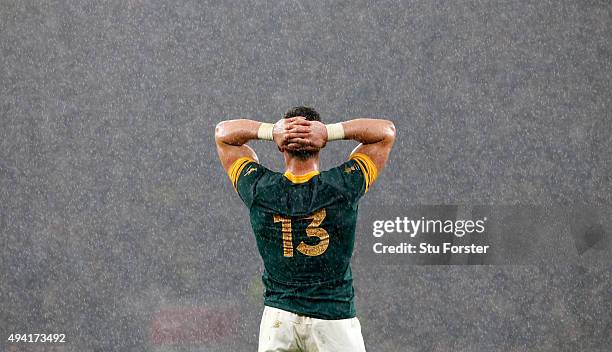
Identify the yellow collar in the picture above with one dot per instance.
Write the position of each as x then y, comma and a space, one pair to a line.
300, 178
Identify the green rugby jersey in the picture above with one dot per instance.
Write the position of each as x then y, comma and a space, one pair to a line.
305, 232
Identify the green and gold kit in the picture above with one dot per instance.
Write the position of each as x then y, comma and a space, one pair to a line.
305, 232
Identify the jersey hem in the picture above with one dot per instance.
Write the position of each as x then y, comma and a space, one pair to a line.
308, 314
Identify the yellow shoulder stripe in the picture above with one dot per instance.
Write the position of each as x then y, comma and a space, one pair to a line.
236, 169
370, 172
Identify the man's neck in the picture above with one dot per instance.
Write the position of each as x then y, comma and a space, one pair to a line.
301, 167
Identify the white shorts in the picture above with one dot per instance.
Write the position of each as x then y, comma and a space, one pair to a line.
283, 331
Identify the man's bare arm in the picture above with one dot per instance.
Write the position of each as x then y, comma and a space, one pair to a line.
231, 137
376, 137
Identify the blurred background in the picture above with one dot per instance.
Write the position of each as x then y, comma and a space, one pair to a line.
119, 228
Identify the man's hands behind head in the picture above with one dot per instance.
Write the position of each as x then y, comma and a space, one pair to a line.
297, 133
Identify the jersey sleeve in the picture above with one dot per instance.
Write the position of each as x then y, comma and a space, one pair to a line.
354, 177
244, 174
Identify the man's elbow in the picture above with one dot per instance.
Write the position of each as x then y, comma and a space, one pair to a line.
220, 131
389, 131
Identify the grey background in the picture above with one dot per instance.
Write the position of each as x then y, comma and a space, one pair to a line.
113, 205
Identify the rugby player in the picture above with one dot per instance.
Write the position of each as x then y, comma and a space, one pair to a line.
304, 223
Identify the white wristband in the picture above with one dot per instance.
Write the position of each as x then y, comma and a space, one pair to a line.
265, 131
335, 131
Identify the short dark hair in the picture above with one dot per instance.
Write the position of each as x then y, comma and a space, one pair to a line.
311, 115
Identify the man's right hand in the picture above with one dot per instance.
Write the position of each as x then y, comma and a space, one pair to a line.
313, 137
297, 133
284, 129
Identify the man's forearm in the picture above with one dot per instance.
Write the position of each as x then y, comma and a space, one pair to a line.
369, 131
236, 132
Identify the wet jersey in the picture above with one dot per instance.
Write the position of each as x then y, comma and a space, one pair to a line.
304, 227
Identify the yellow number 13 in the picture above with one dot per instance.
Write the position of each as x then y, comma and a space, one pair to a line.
313, 230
